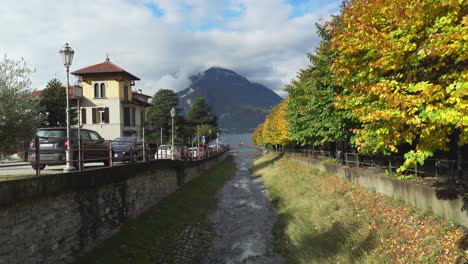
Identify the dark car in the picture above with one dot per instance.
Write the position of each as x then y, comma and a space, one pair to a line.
53, 143
129, 149
184, 152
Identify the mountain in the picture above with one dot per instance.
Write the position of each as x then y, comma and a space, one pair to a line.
239, 104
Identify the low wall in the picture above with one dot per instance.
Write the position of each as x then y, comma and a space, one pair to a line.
452, 207
52, 219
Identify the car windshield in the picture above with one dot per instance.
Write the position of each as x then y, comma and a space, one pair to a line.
124, 140
164, 147
55, 133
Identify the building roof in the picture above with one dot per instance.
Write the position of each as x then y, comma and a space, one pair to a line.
37, 93
105, 67
71, 91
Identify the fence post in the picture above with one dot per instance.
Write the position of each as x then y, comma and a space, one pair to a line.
390, 167
80, 154
144, 151
110, 153
437, 170
416, 170
38, 156
357, 159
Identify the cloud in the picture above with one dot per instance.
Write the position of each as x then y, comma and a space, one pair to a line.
164, 41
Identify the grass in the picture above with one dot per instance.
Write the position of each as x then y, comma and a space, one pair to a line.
324, 219
176, 228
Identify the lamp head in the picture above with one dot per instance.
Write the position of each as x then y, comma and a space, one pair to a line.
67, 55
173, 112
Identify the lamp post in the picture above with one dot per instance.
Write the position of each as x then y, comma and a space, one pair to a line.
198, 136
172, 117
67, 57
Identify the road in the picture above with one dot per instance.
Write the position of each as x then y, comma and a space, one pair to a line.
22, 170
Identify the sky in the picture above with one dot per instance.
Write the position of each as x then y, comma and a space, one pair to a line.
163, 42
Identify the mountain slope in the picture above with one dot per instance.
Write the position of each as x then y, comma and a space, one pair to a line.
238, 103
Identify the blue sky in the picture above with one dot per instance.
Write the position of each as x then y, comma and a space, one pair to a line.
165, 41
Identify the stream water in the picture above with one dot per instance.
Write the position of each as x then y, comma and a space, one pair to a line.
244, 219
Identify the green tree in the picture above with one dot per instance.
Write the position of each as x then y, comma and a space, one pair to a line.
200, 114
19, 109
158, 115
313, 117
53, 104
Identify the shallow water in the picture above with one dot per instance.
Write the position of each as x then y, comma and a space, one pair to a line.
244, 219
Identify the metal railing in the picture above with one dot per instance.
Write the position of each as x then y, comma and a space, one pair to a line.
440, 169
43, 151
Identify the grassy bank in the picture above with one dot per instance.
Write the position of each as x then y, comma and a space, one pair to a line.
175, 231
324, 219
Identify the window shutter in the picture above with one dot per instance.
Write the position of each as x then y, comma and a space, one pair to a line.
106, 115
94, 116
83, 116
126, 116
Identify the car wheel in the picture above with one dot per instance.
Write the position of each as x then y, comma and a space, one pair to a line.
41, 167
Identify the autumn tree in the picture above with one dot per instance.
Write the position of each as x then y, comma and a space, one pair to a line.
257, 138
274, 131
404, 65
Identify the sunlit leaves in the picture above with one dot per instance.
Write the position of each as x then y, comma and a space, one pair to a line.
404, 65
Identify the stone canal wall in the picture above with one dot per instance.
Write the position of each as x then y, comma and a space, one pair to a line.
52, 219
439, 200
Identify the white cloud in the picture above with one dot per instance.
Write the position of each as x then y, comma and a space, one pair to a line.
257, 38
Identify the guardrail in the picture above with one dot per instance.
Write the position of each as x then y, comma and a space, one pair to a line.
455, 171
43, 151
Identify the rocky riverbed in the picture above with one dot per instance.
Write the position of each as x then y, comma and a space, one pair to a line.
244, 219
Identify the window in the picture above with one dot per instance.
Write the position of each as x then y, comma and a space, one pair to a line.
85, 134
129, 116
103, 90
101, 115
142, 118
94, 135
99, 90
126, 116
126, 92
83, 116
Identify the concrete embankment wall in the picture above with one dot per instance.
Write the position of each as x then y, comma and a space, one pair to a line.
439, 201
52, 219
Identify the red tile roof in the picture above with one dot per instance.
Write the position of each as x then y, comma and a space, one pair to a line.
71, 91
36, 93
105, 67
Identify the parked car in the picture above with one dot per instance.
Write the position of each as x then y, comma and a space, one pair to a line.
197, 153
165, 152
184, 152
129, 149
53, 143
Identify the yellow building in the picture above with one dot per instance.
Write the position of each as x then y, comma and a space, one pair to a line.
109, 106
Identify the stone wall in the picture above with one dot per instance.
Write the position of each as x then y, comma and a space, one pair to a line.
452, 207
52, 219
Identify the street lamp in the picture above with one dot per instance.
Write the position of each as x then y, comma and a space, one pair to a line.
172, 116
67, 57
